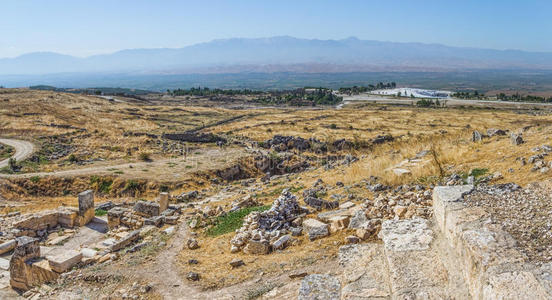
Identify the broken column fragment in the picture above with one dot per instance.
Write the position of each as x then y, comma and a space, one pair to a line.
86, 207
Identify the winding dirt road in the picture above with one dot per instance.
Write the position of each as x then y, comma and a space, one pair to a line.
23, 149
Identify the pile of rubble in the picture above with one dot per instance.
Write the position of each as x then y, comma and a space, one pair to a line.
538, 160
264, 231
281, 143
155, 213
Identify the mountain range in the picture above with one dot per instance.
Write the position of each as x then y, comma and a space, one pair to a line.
281, 54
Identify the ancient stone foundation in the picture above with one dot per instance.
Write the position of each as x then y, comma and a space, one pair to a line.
27, 269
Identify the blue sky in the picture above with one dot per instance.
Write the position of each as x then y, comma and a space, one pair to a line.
84, 28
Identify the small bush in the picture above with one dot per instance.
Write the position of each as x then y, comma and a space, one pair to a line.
144, 156
35, 179
101, 212
232, 221
333, 126
477, 172
72, 158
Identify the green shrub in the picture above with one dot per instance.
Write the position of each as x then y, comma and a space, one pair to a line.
35, 179
101, 184
101, 212
232, 221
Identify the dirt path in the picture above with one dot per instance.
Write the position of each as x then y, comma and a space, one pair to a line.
23, 149
169, 169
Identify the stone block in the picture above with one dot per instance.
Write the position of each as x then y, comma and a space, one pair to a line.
4, 264
129, 239
64, 261
447, 198
338, 223
147, 208
67, 217
257, 247
7, 246
38, 221
281, 243
316, 229
163, 201
86, 207
514, 285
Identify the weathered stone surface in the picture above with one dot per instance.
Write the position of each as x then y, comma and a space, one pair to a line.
447, 198
236, 262
401, 172
281, 243
516, 139
67, 217
320, 287
86, 207
476, 136
325, 216
147, 208
338, 223
514, 285
38, 221
358, 220
7, 246
315, 229
22, 275
406, 235
192, 244
129, 239
64, 261
257, 247
4, 264
362, 276
163, 201
320, 203
494, 131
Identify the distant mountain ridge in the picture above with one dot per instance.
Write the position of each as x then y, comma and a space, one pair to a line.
280, 54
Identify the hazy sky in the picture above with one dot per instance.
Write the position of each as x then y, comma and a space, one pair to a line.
84, 28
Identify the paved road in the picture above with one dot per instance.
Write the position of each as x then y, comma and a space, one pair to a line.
23, 149
449, 102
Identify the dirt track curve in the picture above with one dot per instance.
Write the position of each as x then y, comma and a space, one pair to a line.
23, 149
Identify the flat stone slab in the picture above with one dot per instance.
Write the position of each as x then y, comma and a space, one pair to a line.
364, 272
514, 285
320, 287
406, 235
64, 261
4, 264
129, 239
4, 279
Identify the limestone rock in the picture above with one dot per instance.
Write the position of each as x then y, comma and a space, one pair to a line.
257, 247
236, 262
315, 229
319, 287
64, 261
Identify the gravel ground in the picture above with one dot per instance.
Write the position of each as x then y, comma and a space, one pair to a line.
525, 213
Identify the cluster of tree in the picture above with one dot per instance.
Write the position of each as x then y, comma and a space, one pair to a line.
94, 91
355, 90
428, 103
469, 95
205, 91
522, 98
300, 97
517, 97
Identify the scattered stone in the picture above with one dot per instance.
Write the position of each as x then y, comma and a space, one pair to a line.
257, 247
297, 274
476, 136
516, 139
147, 208
192, 244
281, 243
192, 276
494, 131
169, 230
315, 229
351, 239
236, 262
193, 262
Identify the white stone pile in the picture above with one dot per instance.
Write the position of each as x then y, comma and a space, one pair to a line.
262, 231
